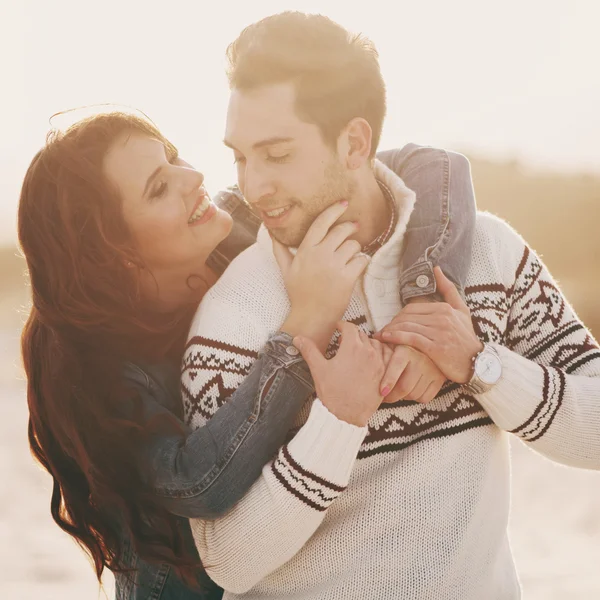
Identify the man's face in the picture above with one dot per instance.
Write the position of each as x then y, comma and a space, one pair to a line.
285, 169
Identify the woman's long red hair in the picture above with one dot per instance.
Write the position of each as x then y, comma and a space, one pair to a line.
88, 318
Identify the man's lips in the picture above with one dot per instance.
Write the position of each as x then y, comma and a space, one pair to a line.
275, 212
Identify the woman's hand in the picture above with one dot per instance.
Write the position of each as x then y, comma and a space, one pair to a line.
348, 384
410, 375
321, 276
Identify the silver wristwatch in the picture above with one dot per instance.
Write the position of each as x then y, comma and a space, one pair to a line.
487, 370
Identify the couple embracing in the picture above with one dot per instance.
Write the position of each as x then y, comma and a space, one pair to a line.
304, 388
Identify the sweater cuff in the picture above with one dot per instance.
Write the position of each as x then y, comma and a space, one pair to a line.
327, 446
513, 400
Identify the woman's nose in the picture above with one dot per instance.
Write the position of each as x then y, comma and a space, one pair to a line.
192, 180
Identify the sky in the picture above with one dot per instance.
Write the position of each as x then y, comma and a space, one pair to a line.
517, 79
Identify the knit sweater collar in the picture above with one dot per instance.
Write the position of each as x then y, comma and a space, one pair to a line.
404, 198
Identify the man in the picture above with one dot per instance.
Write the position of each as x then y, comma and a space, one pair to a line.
416, 505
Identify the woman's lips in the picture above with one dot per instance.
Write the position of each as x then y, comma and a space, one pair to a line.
211, 211
201, 197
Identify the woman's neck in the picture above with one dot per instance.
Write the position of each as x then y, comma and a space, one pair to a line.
171, 290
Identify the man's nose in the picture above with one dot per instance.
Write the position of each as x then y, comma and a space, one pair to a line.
257, 184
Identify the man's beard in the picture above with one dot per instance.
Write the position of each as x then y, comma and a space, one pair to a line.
336, 187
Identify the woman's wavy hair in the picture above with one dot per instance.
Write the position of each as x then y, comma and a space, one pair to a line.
88, 319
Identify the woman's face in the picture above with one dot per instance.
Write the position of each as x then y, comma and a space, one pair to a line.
174, 224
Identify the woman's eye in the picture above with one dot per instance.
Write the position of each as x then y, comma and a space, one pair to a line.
238, 159
160, 190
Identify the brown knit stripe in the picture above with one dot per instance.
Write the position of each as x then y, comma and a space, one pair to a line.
521, 267
593, 356
295, 492
538, 409
485, 288
309, 474
556, 336
198, 340
396, 427
560, 396
208, 355
283, 470
450, 431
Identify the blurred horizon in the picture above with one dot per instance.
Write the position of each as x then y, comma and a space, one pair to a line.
505, 82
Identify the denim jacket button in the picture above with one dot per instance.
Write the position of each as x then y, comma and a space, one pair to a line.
422, 281
292, 350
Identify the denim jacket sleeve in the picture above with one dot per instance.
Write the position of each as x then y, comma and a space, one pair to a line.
441, 227
203, 473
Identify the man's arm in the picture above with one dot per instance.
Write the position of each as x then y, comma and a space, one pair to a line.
549, 392
285, 505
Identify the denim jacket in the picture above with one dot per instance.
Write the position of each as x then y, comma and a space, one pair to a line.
203, 473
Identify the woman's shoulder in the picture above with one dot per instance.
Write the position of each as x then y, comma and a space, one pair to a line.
154, 382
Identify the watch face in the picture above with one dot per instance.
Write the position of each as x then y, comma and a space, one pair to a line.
488, 368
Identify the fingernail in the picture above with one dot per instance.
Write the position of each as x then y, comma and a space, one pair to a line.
344, 202
385, 391
386, 334
297, 342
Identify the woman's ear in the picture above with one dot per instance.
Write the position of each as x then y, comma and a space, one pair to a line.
359, 136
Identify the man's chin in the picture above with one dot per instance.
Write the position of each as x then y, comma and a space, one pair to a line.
287, 237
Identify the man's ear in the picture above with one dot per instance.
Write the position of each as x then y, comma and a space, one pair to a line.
358, 134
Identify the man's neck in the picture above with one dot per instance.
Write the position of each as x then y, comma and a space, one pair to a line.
370, 208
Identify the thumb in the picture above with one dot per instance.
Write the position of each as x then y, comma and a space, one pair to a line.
448, 291
311, 354
283, 256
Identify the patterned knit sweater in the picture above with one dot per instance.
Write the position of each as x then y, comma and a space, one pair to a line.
414, 506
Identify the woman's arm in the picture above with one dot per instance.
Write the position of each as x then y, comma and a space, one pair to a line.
243, 413
441, 227
203, 473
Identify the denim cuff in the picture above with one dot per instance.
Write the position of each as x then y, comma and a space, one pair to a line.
417, 280
281, 350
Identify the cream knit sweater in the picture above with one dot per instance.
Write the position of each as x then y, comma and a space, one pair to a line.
414, 506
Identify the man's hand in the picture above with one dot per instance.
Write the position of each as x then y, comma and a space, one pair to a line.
347, 384
441, 330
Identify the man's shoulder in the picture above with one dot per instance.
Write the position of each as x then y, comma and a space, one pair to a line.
498, 250
490, 228
250, 272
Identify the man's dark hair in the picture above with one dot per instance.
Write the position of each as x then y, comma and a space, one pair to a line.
336, 73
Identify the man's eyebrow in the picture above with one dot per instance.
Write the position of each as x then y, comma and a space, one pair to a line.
151, 179
268, 142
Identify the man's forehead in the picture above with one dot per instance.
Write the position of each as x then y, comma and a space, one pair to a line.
262, 113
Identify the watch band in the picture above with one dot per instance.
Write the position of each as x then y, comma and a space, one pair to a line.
476, 385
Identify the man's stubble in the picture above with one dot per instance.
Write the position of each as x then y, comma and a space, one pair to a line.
336, 187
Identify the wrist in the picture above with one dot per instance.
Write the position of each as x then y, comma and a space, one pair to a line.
317, 330
469, 369
341, 412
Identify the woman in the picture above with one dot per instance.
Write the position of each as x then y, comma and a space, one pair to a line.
116, 274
